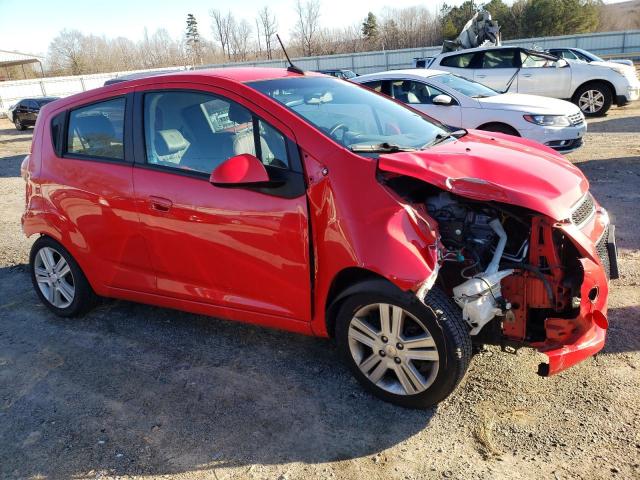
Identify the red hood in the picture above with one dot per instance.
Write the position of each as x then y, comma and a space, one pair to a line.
496, 167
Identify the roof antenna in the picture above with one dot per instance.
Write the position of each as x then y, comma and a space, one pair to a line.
291, 67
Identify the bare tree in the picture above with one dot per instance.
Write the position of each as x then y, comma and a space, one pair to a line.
269, 27
307, 25
222, 26
240, 39
65, 53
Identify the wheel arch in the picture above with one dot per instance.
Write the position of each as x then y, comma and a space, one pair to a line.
588, 82
501, 124
345, 283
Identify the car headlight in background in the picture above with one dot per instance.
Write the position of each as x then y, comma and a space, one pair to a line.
549, 120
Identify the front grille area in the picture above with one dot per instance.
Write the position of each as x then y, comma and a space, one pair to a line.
583, 212
576, 119
603, 253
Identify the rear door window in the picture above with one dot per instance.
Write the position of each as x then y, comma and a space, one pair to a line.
458, 61
97, 130
503, 58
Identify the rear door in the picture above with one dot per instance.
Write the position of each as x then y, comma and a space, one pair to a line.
497, 67
542, 76
244, 249
463, 64
89, 185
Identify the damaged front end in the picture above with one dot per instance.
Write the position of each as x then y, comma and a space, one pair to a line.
520, 277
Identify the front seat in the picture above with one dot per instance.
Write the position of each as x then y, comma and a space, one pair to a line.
243, 141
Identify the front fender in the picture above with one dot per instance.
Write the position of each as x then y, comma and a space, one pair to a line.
375, 233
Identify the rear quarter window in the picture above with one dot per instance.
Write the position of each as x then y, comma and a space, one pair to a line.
97, 130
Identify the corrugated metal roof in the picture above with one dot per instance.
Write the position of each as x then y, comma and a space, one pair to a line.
9, 59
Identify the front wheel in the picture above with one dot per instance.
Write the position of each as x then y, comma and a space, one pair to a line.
594, 99
18, 124
58, 279
401, 350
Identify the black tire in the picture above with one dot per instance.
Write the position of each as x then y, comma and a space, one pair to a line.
84, 297
438, 314
499, 128
18, 124
603, 89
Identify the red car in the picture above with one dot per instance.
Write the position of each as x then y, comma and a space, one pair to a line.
303, 202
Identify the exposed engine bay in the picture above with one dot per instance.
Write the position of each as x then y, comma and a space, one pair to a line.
503, 264
516, 278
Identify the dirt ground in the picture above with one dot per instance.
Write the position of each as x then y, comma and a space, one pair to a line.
133, 391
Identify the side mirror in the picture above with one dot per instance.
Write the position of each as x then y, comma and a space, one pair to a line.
241, 170
562, 63
445, 100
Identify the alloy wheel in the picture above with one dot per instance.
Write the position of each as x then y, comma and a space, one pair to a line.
54, 277
591, 101
18, 123
393, 349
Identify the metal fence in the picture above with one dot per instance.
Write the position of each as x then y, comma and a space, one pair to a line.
603, 44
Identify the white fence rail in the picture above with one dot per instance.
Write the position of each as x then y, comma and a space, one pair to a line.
604, 44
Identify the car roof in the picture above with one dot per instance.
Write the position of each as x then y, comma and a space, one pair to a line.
237, 74
407, 72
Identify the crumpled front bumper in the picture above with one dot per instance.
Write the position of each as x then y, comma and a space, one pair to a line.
574, 340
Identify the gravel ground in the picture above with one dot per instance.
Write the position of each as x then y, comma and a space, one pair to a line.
136, 391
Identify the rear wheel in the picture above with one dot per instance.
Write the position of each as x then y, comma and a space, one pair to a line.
58, 280
594, 99
401, 350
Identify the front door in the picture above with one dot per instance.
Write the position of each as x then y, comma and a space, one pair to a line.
240, 248
542, 76
420, 95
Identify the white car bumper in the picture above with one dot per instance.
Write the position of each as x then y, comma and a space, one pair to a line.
561, 139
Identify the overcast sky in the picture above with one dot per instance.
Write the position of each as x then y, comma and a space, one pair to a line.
29, 25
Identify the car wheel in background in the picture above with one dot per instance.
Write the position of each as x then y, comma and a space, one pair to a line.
594, 99
18, 124
58, 280
401, 350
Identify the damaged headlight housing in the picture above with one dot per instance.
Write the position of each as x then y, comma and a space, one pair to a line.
548, 120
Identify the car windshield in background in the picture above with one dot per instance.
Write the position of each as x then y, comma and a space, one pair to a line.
353, 116
44, 101
466, 87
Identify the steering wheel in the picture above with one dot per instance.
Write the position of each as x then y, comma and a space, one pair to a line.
337, 127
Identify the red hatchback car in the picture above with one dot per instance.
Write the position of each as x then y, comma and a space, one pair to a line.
307, 203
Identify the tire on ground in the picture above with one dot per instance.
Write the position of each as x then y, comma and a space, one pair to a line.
84, 297
444, 322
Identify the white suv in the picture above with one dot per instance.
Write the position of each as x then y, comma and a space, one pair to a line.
592, 87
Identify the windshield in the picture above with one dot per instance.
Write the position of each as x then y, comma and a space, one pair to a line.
588, 56
352, 115
464, 86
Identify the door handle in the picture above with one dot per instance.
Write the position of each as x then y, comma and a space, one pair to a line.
526, 75
160, 204
481, 76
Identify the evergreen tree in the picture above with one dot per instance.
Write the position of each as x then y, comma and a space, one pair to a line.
370, 27
194, 50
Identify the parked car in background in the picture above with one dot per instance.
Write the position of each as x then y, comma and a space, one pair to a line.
421, 62
307, 203
586, 56
339, 73
25, 112
462, 103
593, 88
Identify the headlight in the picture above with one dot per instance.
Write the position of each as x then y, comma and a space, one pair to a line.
548, 120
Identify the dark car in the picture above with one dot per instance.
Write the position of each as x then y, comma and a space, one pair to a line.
339, 73
24, 113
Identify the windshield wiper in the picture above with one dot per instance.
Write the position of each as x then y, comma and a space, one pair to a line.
383, 147
441, 138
